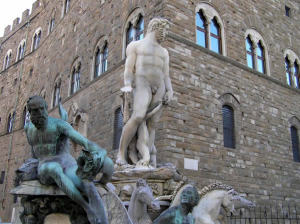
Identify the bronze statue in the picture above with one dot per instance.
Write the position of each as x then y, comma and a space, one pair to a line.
48, 138
180, 214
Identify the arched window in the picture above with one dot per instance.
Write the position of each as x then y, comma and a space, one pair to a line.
215, 36
296, 75
256, 52
201, 29
56, 94
75, 80
36, 39
10, 121
250, 52
133, 28
209, 28
295, 143
101, 60
288, 71
21, 50
228, 126
129, 34
260, 58
140, 29
7, 60
118, 125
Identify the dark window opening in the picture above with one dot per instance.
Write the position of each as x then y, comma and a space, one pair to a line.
288, 72
118, 126
287, 11
2, 177
140, 29
129, 34
97, 63
295, 143
30, 72
228, 126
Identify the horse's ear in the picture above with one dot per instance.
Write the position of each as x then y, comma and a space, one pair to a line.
232, 192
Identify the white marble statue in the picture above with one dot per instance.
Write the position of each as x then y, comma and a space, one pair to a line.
212, 198
147, 75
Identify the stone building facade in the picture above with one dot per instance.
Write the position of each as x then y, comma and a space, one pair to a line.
62, 39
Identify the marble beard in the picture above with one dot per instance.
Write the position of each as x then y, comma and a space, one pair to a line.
147, 74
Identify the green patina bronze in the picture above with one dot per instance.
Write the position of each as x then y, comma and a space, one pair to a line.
180, 214
49, 138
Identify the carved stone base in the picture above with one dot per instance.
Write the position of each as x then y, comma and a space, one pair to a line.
39, 201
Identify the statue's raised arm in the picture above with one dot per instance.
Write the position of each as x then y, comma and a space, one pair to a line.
48, 137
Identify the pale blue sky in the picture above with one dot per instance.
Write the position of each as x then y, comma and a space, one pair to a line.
11, 9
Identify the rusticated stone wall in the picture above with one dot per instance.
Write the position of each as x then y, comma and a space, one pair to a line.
261, 165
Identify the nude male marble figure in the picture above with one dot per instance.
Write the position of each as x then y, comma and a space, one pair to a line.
147, 73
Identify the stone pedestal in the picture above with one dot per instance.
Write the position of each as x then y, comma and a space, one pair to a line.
40, 201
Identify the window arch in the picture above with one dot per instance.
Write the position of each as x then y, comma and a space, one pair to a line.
21, 50
291, 61
118, 126
7, 59
133, 29
36, 39
210, 29
75, 77
100, 58
256, 52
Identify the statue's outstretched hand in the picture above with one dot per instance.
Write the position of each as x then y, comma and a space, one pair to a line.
98, 158
168, 96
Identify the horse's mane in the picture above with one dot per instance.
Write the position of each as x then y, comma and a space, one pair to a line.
212, 187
